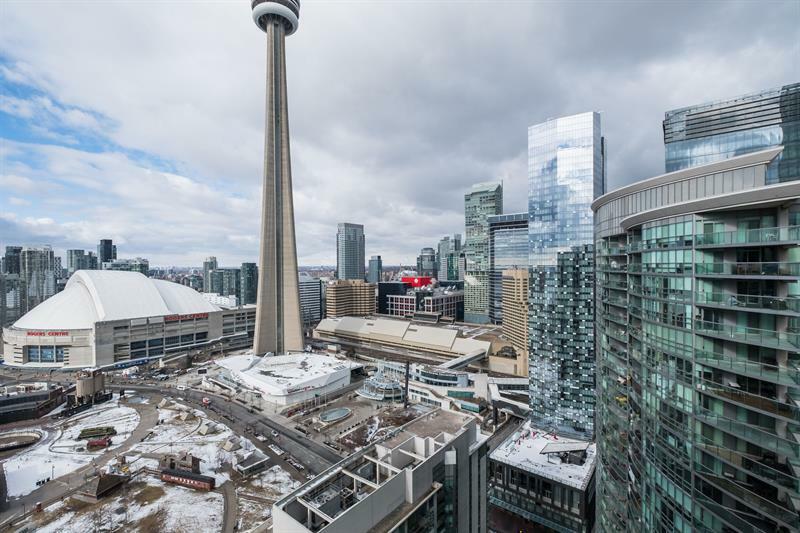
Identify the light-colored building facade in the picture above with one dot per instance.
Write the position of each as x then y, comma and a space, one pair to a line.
443, 301
209, 265
429, 475
37, 275
350, 244
112, 317
515, 314
697, 336
482, 201
349, 298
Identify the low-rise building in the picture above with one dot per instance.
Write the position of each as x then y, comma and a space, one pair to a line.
349, 298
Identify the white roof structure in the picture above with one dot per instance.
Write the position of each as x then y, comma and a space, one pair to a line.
403, 332
92, 296
535, 451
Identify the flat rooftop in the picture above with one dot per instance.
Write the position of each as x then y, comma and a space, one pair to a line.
524, 450
429, 425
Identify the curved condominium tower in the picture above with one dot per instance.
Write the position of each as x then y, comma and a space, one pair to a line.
278, 326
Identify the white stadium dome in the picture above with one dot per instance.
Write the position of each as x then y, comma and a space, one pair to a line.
92, 296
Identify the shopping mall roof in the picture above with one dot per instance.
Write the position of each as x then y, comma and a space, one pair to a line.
103, 295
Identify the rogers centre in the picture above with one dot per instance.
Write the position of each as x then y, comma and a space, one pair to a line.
105, 317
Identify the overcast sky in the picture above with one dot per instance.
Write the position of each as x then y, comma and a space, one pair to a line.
143, 121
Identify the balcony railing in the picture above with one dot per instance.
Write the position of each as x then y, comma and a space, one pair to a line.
749, 301
749, 432
748, 269
750, 463
661, 268
785, 234
657, 244
781, 375
782, 340
762, 403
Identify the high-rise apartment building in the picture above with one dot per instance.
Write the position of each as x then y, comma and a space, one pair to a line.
350, 251
11, 299
105, 251
508, 249
448, 252
515, 313
349, 298
248, 284
566, 171
710, 132
698, 351
375, 270
310, 299
209, 265
480, 202
37, 276
139, 264
426, 263
12, 262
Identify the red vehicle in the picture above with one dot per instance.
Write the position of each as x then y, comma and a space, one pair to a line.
105, 442
188, 479
206, 402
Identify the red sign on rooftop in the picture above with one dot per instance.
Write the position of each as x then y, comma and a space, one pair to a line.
417, 281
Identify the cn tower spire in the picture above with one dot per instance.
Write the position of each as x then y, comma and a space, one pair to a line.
278, 326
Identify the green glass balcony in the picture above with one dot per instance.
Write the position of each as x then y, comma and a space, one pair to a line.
782, 340
788, 304
784, 235
771, 269
762, 403
789, 376
663, 268
759, 436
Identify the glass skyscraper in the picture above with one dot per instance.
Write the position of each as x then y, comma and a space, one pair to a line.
508, 250
350, 251
481, 202
449, 251
566, 171
249, 284
375, 270
715, 131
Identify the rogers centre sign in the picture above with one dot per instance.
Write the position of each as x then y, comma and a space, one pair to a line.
175, 318
48, 334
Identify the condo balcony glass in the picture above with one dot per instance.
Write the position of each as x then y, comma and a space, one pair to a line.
778, 269
783, 340
786, 234
789, 375
749, 301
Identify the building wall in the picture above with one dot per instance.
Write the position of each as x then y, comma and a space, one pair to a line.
566, 169
350, 251
697, 338
310, 300
515, 312
350, 298
481, 202
508, 249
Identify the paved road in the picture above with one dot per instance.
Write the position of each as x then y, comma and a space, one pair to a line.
230, 513
315, 457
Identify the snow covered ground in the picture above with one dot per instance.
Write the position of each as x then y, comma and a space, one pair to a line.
273, 484
154, 506
60, 452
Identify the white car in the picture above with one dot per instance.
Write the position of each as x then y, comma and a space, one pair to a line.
181, 387
274, 433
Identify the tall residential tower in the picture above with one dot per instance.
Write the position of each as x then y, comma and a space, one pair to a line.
350, 251
480, 202
278, 326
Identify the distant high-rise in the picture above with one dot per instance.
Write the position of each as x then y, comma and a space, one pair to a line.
11, 299
105, 251
481, 202
80, 260
38, 276
426, 263
12, 260
139, 264
515, 314
209, 265
248, 286
350, 251
448, 252
310, 299
566, 171
508, 249
715, 131
375, 269
278, 322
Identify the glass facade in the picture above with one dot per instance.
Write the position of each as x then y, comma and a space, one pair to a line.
350, 251
248, 284
566, 171
449, 250
38, 276
375, 271
699, 354
481, 202
508, 249
712, 132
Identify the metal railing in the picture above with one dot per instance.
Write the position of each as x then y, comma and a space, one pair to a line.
747, 269
762, 235
749, 301
775, 374
784, 340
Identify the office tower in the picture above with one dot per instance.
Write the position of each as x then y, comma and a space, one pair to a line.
462, 265
38, 276
11, 299
209, 265
508, 249
515, 314
59, 268
278, 323
715, 131
429, 476
105, 251
231, 281
140, 265
248, 284
216, 281
350, 251
426, 263
349, 298
75, 261
310, 299
482, 201
375, 270
448, 252
566, 168
12, 260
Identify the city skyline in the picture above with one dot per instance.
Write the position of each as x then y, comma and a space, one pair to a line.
65, 132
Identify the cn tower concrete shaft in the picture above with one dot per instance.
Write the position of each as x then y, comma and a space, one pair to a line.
278, 325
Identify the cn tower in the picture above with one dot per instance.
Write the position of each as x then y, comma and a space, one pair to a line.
278, 326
